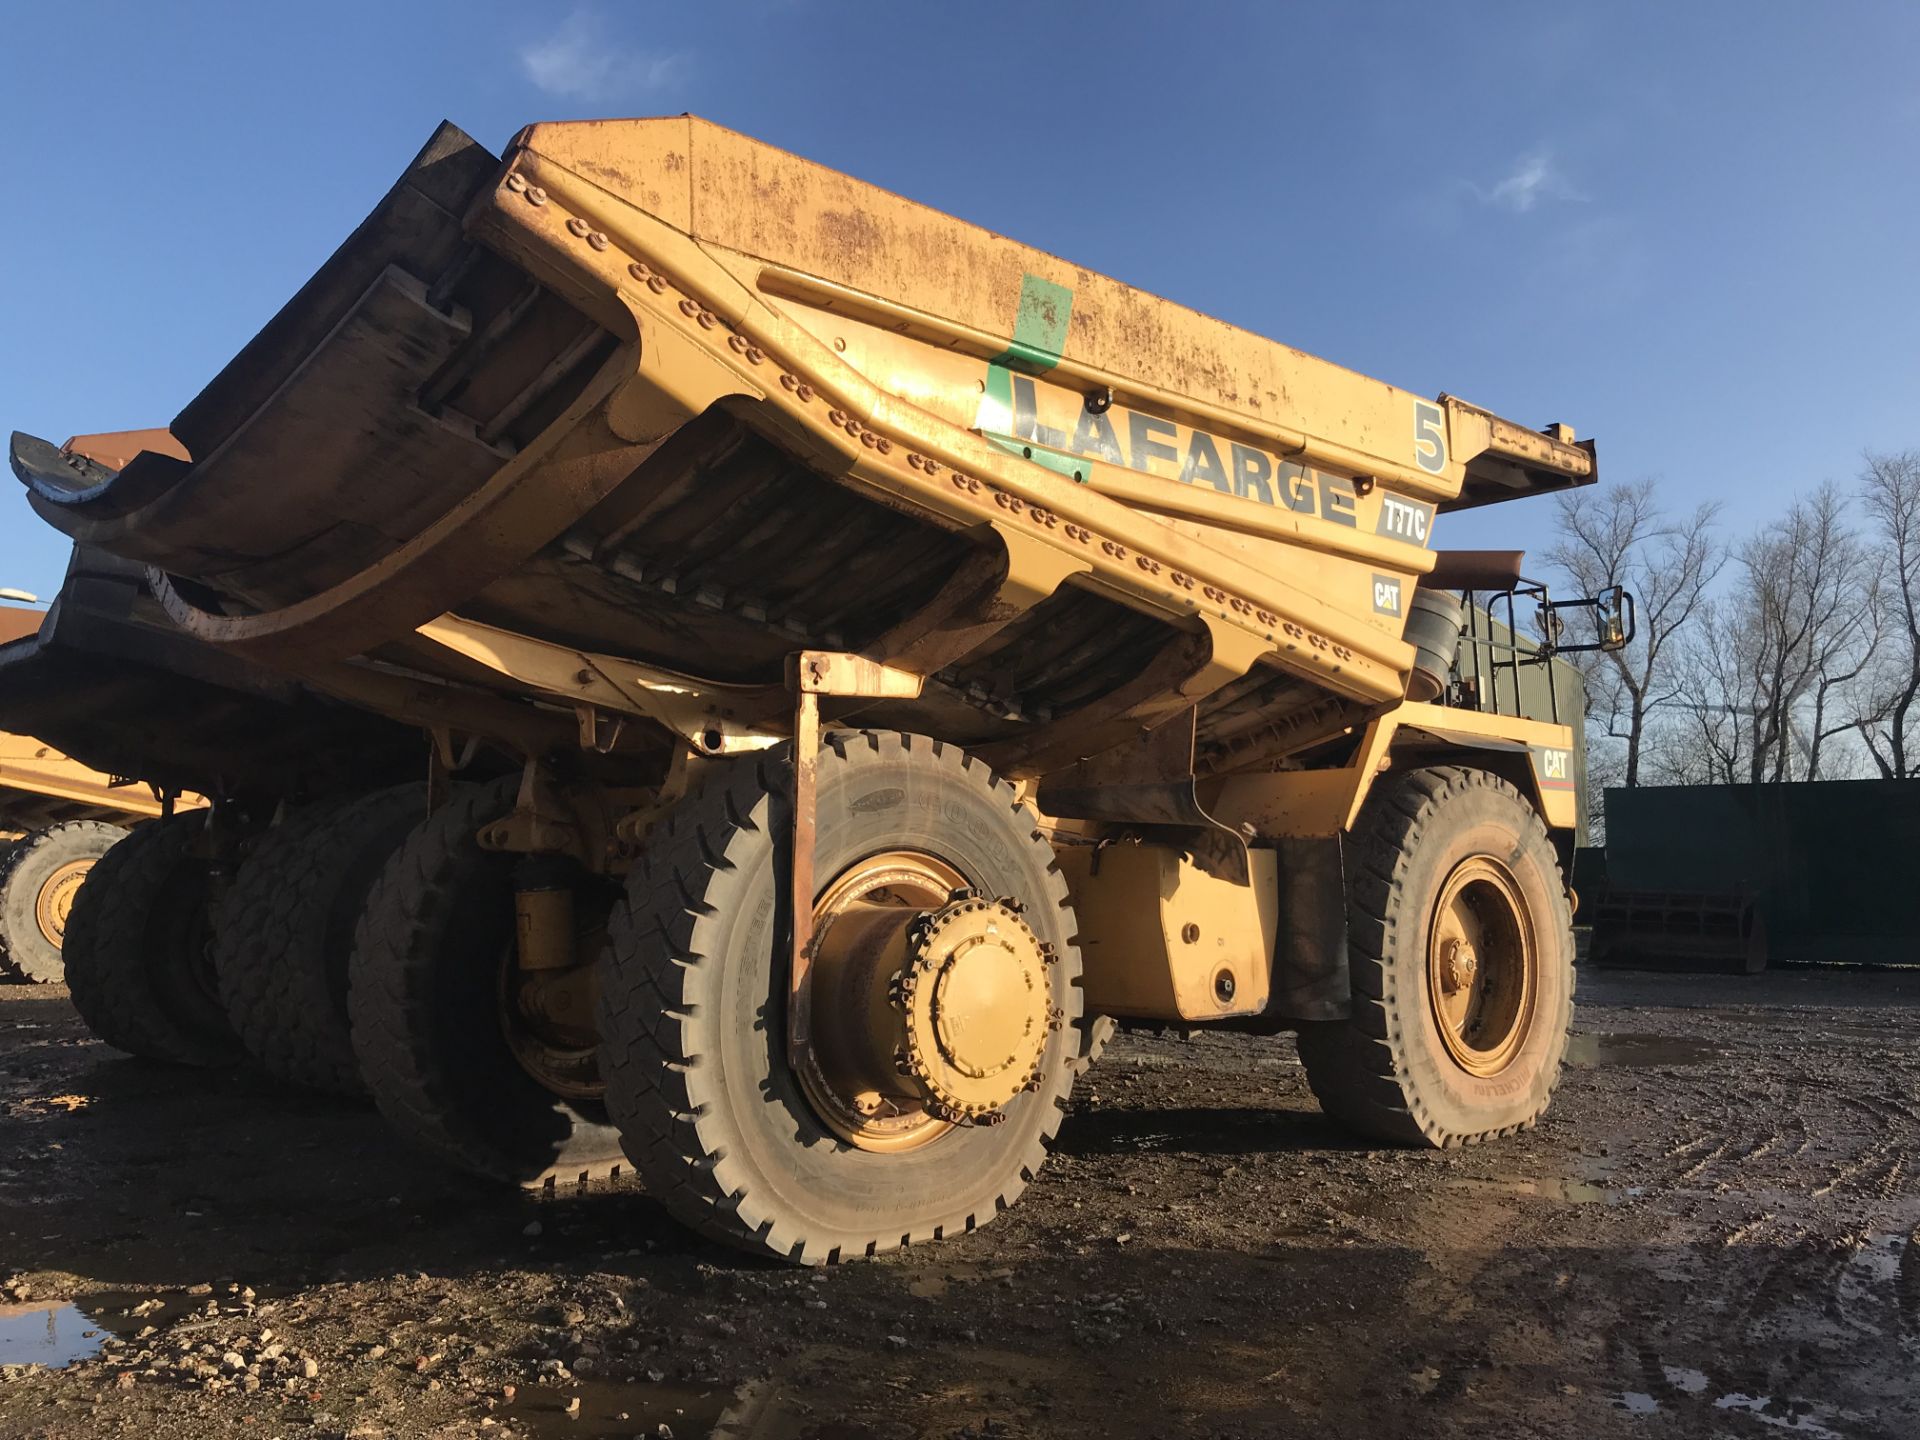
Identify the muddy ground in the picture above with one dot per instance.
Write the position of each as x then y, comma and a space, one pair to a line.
1712, 1233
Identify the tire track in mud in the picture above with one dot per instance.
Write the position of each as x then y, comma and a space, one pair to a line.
1703, 1164
1808, 1266
1832, 1279
1876, 1155
1674, 1152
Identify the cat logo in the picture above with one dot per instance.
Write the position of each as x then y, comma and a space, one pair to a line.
1386, 595
1555, 771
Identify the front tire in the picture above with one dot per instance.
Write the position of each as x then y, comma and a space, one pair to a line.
1461, 955
694, 1005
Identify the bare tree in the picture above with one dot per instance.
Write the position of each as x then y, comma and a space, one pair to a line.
1770, 663
1888, 717
1623, 536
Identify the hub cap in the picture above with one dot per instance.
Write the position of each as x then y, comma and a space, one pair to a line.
973, 995
1481, 963
54, 903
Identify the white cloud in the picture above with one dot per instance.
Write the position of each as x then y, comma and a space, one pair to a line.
581, 61
1534, 178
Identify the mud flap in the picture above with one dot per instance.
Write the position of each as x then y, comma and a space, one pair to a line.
1310, 978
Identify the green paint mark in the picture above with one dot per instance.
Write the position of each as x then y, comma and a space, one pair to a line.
1039, 326
1039, 337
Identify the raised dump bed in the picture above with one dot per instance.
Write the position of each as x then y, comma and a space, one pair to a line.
640, 461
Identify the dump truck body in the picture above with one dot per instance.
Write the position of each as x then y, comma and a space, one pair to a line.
785, 538
40, 786
555, 427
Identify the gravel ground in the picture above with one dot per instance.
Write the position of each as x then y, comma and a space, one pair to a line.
1711, 1234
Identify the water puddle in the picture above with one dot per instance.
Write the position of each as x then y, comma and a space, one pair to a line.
53, 1333
1688, 1389
59, 1333
1791, 1415
1590, 1052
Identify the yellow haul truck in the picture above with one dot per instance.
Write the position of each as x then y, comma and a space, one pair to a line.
858, 657
57, 816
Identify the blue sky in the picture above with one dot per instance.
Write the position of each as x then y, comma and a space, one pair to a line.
1689, 230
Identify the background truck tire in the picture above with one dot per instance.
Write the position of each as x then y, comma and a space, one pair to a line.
423, 997
40, 877
137, 945
1388, 1072
693, 1005
284, 933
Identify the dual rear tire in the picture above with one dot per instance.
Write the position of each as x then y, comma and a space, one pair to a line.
284, 933
360, 948
138, 947
440, 1044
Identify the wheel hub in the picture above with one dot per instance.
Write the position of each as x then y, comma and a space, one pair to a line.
54, 903
1481, 965
973, 996
930, 1005
1459, 966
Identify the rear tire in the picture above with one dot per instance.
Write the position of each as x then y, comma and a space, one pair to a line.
40, 877
424, 1003
137, 948
1398, 1070
693, 1005
284, 933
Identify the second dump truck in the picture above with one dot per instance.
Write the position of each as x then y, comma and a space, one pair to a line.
57, 817
858, 657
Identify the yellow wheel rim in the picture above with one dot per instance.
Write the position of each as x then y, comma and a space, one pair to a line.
54, 903
1482, 966
857, 924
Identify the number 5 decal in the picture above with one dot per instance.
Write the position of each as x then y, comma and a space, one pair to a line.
1429, 437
